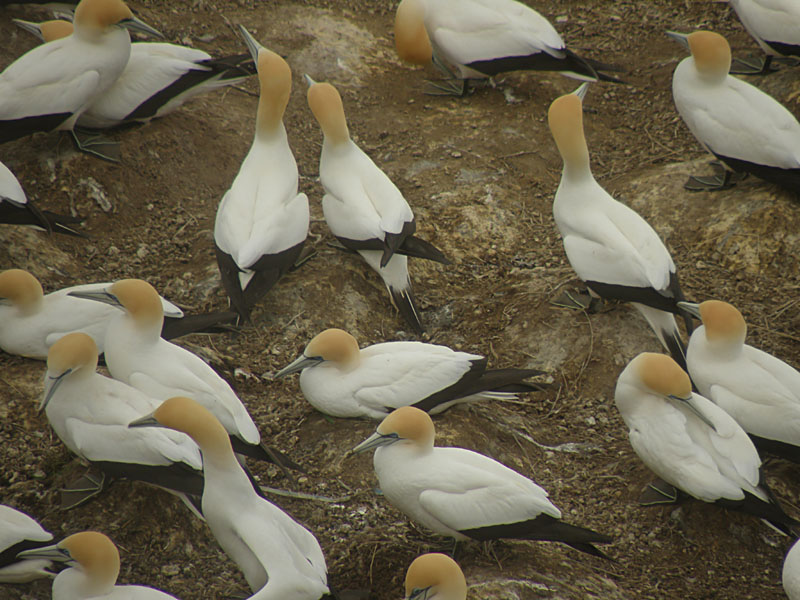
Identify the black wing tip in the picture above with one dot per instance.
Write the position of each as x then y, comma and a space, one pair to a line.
406, 306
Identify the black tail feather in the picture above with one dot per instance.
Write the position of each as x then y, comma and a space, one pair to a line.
216, 322
676, 347
407, 306
263, 452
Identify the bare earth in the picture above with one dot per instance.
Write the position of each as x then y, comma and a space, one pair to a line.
480, 173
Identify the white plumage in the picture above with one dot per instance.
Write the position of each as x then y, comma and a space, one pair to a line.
790, 575
775, 24
19, 530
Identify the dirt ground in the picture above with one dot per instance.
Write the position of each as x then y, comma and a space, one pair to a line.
480, 173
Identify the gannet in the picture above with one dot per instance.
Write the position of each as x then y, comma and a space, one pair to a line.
363, 208
612, 249
30, 321
775, 25
94, 562
690, 442
791, 572
158, 79
20, 532
748, 130
90, 414
482, 38
262, 221
340, 380
16, 209
50, 86
758, 390
460, 493
435, 576
137, 355
279, 558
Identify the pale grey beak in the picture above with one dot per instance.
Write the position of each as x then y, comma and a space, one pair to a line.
689, 403
52, 552
139, 26
420, 594
50, 386
300, 363
252, 45
103, 296
376, 440
30, 27
145, 421
582, 90
681, 38
690, 307
308, 79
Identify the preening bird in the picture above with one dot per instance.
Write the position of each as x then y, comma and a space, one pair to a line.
690, 442
363, 208
94, 562
158, 79
746, 129
137, 355
339, 379
19, 532
280, 559
435, 576
482, 38
16, 209
50, 86
614, 251
758, 390
90, 414
463, 494
262, 221
775, 25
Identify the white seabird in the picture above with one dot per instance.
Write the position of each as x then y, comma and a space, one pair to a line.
30, 321
463, 494
435, 576
137, 355
612, 249
774, 24
262, 221
482, 38
280, 559
363, 208
94, 562
758, 390
90, 414
790, 575
340, 380
20, 532
50, 86
16, 209
746, 129
690, 442
158, 79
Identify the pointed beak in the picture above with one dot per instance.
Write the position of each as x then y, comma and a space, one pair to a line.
52, 552
690, 307
420, 594
300, 363
30, 27
252, 45
376, 440
145, 421
308, 79
690, 403
139, 26
50, 385
681, 38
103, 296
582, 90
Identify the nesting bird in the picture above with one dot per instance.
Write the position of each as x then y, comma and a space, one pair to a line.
50, 86
691, 443
612, 249
341, 380
363, 208
16, 209
280, 559
94, 567
482, 38
463, 494
435, 576
775, 25
746, 129
90, 414
19, 532
262, 221
758, 390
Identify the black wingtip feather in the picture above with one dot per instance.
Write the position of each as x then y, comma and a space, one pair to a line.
407, 307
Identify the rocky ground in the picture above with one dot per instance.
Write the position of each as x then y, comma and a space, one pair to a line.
480, 173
